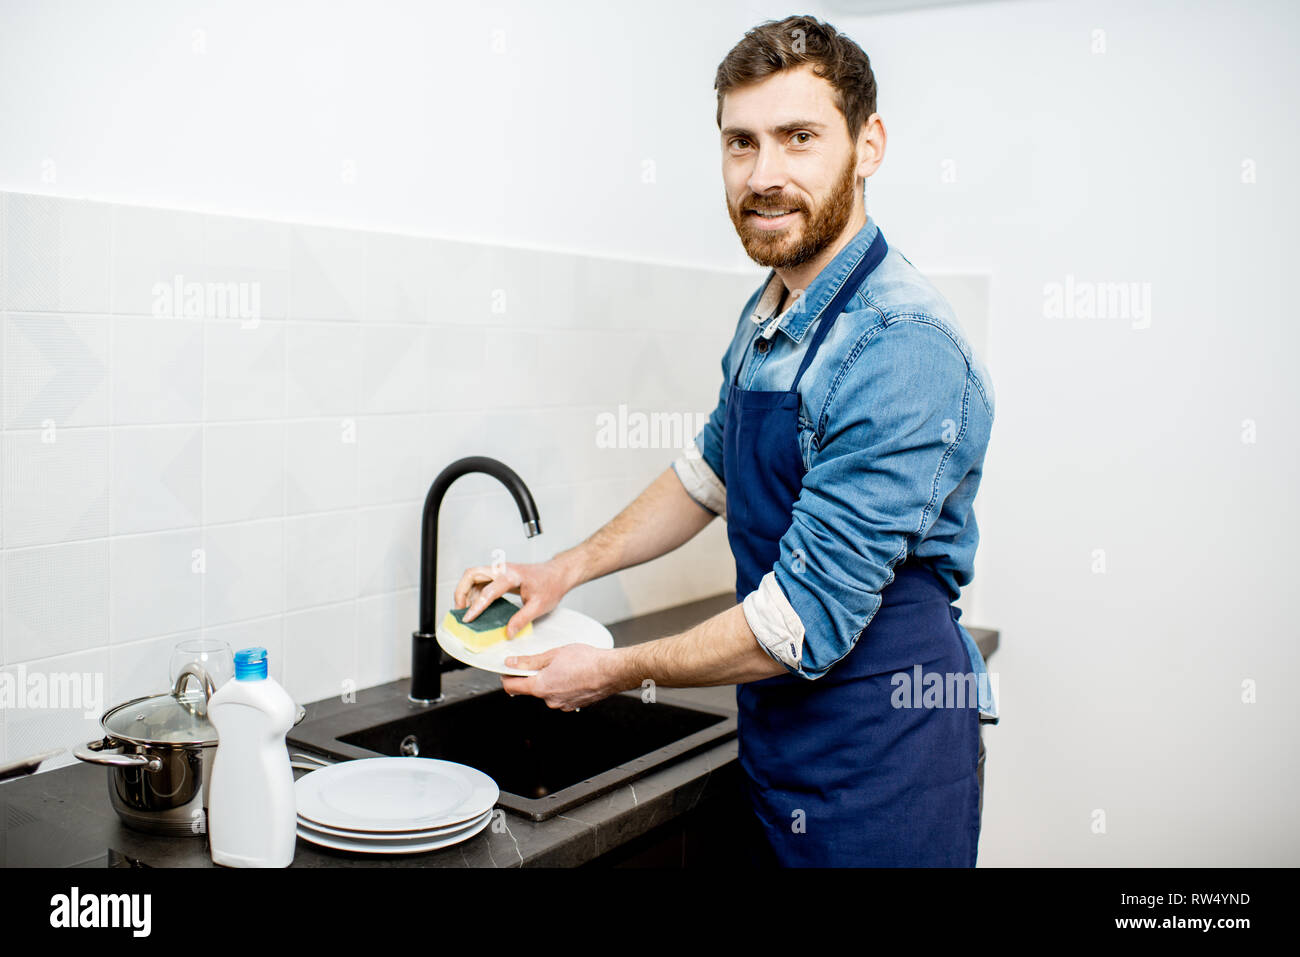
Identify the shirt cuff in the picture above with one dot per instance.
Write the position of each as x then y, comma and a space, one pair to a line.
700, 481
775, 624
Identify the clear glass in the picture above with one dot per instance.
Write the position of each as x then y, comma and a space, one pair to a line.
213, 654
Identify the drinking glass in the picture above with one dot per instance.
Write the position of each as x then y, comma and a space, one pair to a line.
213, 654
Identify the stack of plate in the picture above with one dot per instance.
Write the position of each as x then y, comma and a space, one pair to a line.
393, 805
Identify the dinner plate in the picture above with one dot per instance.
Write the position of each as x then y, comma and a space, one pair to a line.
385, 836
561, 626
386, 795
395, 846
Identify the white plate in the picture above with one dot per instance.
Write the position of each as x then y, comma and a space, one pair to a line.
399, 846
561, 626
383, 837
385, 795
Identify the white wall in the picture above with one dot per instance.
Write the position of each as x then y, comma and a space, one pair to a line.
260, 479
581, 125
1122, 691
1016, 152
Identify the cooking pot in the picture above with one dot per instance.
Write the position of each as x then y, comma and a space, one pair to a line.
159, 751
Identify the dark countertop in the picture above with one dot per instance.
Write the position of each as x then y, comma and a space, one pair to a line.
62, 818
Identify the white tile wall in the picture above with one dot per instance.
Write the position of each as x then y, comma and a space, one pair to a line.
172, 466
243, 471
325, 273
34, 626
56, 370
244, 574
320, 559
254, 252
55, 485
322, 374
243, 370
156, 370
155, 584
57, 255
320, 465
156, 478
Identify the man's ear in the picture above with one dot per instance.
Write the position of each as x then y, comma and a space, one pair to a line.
871, 145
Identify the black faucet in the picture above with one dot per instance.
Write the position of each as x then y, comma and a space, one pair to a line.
426, 656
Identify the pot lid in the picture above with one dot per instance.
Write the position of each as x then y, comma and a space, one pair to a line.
176, 717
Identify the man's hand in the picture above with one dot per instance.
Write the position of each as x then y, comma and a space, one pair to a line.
568, 677
720, 651
541, 586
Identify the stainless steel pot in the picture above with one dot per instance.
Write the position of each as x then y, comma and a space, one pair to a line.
159, 751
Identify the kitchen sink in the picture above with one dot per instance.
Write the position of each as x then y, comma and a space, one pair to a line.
545, 761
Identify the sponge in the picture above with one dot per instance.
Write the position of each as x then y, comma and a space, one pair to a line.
488, 629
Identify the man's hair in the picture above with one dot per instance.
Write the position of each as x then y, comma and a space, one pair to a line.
778, 45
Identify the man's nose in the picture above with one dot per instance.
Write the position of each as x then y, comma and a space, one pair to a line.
768, 173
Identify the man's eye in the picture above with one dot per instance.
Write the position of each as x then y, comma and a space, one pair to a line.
803, 142
739, 143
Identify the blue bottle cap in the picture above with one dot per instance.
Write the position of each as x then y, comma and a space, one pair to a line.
250, 664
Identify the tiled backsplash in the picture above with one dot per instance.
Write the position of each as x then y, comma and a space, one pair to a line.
225, 426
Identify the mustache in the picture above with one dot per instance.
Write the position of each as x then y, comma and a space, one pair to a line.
766, 204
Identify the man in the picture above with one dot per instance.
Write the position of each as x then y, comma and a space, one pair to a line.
845, 452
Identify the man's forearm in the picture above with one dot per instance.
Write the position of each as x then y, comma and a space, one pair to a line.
658, 520
720, 651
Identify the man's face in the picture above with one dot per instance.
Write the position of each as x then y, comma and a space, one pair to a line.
789, 167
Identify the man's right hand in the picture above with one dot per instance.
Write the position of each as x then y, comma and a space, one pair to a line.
541, 586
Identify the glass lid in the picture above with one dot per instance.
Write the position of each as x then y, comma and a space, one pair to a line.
177, 717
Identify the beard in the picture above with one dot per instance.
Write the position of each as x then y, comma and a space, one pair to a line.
793, 246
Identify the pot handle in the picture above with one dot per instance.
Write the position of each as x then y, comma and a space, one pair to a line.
92, 754
196, 671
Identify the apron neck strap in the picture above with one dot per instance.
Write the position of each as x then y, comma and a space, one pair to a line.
870, 260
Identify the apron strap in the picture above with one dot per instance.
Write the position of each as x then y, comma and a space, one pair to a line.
870, 260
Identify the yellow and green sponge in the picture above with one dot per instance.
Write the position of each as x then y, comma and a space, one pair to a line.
488, 629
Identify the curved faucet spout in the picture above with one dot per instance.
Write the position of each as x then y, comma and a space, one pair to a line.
426, 658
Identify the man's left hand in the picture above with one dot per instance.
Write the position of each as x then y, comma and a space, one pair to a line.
569, 677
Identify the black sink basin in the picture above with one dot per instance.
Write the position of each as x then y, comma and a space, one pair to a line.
545, 761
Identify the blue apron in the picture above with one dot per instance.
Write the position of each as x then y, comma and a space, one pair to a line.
834, 774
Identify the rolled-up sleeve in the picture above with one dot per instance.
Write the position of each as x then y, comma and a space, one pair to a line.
896, 440
699, 467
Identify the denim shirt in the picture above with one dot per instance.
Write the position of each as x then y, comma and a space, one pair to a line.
894, 419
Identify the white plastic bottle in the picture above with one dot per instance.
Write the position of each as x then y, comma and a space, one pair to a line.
252, 814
